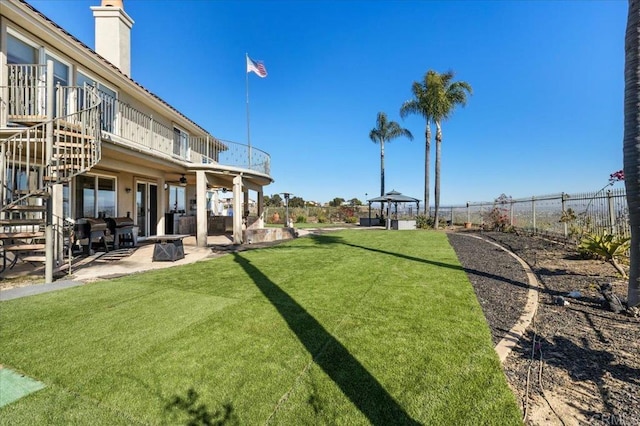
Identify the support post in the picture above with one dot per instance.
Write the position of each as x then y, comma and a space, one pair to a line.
564, 209
260, 202
237, 210
161, 207
48, 232
533, 213
612, 213
58, 222
201, 208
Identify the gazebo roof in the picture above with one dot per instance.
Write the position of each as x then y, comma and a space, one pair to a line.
394, 197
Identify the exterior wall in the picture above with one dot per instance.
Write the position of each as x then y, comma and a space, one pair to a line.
140, 148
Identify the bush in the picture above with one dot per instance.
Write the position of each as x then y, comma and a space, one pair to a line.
609, 247
423, 222
322, 218
497, 219
351, 219
301, 219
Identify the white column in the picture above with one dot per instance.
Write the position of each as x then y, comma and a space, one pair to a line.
58, 222
162, 206
260, 201
237, 210
48, 231
201, 208
245, 207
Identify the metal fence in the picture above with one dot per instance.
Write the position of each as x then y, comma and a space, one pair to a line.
562, 215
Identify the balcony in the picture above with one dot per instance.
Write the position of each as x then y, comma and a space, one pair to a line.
23, 102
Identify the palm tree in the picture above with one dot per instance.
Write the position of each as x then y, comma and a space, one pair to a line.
435, 99
386, 131
631, 146
419, 105
446, 94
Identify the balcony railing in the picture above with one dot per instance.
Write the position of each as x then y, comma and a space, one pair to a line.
26, 101
26, 93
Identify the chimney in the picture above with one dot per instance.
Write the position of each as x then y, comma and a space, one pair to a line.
113, 33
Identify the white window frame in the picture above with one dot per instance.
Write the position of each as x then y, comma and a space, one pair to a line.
185, 151
101, 84
95, 177
70, 104
26, 40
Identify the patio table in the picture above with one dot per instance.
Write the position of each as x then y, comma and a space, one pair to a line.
168, 247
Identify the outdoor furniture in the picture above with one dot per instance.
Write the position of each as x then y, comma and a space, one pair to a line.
92, 230
168, 247
123, 230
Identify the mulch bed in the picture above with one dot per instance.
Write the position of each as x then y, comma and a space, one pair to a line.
578, 363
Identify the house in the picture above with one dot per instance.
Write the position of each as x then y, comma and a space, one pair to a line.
81, 139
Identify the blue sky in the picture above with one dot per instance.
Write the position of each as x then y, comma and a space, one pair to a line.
546, 115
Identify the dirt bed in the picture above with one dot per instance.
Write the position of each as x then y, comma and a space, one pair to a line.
578, 363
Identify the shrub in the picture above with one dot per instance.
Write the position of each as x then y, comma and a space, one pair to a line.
301, 219
497, 219
351, 219
422, 222
609, 247
322, 218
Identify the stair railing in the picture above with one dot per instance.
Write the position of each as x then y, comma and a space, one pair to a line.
26, 169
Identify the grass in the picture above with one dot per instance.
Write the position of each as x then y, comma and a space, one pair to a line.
309, 225
352, 327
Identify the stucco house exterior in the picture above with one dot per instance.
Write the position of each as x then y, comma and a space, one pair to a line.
80, 138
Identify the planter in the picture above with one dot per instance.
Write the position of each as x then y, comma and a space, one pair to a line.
403, 224
374, 221
467, 225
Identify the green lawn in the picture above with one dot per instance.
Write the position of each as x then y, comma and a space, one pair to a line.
352, 327
309, 225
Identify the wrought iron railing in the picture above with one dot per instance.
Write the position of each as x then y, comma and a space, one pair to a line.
26, 93
30, 163
129, 123
26, 102
563, 215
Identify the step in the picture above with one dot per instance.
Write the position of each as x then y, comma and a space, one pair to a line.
27, 208
37, 193
21, 222
24, 247
20, 235
71, 133
33, 258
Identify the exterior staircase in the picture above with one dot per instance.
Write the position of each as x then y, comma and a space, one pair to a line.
35, 160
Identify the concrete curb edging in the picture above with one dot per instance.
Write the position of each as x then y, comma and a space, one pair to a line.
513, 336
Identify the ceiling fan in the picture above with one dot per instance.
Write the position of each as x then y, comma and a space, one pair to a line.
180, 182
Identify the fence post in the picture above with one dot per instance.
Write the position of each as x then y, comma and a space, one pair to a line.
468, 213
533, 212
612, 213
511, 213
564, 204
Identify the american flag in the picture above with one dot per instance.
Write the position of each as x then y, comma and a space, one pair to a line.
256, 66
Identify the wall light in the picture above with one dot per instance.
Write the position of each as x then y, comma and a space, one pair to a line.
127, 190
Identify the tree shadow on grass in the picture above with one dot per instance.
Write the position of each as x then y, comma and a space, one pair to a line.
353, 379
331, 239
198, 414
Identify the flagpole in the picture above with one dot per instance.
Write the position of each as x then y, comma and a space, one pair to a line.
248, 126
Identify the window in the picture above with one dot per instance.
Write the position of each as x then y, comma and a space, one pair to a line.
60, 77
60, 71
95, 196
23, 76
108, 97
19, 52
180, 142
177, 199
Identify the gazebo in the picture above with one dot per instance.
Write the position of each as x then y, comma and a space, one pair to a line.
393, 197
